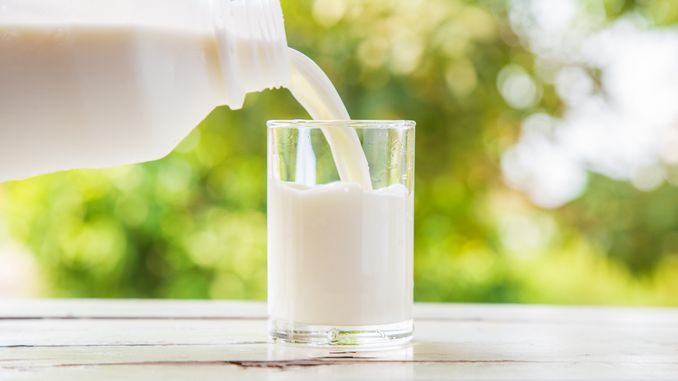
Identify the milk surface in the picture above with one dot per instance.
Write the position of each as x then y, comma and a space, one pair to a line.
339, 255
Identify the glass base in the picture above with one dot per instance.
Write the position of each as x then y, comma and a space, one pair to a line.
354, 337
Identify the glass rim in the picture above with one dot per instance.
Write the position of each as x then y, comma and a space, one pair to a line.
354, 123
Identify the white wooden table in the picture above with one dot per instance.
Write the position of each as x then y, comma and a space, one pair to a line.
202, 341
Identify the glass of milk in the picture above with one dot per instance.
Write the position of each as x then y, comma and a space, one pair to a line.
340, 254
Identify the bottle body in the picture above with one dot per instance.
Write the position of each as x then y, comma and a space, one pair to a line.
117, 82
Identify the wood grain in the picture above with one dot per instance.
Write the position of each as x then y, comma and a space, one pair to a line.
176, 340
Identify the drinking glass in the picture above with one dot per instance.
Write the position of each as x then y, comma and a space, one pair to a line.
340, 254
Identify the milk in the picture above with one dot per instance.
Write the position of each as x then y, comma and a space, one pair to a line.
339, 255
314, 91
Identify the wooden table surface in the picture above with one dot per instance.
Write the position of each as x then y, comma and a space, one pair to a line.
202, 341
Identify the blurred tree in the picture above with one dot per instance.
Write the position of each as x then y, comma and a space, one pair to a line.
193, 224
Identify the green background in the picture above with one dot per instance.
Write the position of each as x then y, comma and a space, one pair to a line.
193, 225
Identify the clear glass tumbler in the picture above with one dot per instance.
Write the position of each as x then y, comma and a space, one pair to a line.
340, 255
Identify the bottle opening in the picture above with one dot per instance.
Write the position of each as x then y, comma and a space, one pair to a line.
252, 46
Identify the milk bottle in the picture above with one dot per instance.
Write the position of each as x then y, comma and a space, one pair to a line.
97, 83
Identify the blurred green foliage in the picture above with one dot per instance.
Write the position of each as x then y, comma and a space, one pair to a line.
193, 225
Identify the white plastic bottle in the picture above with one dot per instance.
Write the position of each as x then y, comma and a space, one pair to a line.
98, 83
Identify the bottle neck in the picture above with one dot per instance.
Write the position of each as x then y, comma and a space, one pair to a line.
252, 47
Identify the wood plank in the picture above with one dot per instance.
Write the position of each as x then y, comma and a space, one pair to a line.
130, 308
170, 340
200, 309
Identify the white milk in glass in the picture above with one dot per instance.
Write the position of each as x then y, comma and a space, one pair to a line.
363, 278
340, 254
